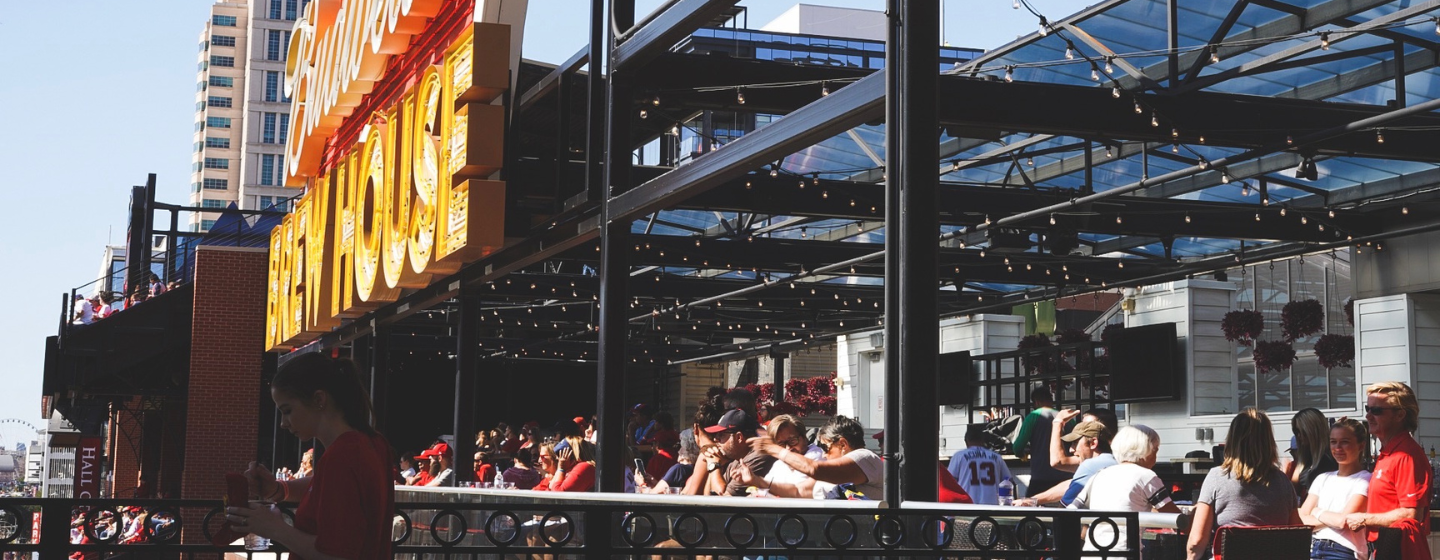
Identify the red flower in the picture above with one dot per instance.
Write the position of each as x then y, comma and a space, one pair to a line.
1273, 356
1299, 319
1335, 350
1243, 326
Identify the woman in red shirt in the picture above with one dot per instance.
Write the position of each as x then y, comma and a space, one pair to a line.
576, 472
347, 507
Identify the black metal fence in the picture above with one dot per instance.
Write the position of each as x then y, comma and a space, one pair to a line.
522, 524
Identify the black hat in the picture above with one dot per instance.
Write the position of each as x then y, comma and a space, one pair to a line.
735, 420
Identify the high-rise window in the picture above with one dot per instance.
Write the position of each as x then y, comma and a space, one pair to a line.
213, 142
222, 40
273, 48
204, 45
267, 169
207, 225
216, 184
222, 61
291, 7
272, 86
217, 122
267, 128
212, 203
284, 127
222, 81
277, 8
217, 101
226, 21
217, 163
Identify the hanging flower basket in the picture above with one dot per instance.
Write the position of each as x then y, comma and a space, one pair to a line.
1037, 362
1071, 358
1273, 356
1350, 311
1109, 330
1243, 326
1335, 350
1300, 319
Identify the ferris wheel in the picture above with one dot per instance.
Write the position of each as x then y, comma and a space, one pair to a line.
14, 431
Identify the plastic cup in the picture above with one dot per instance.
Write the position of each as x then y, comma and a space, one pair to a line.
252, 540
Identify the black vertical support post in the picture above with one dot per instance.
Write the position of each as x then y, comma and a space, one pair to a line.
1399, 75
467, 354
614, 270
1172, 39
1089, 168
595, 104
562, 141
172, 245
138, 245
378, 358
894, 166
919, 342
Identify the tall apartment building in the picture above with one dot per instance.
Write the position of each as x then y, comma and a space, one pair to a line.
266, 110
242, 114
219, 103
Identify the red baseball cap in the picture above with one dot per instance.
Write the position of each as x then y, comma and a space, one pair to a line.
579, 420
440, 449
426, 454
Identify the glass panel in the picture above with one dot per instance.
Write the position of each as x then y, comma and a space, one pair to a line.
1309, 384
1245, 387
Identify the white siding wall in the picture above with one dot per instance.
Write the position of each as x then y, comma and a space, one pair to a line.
1397, 338
861, 377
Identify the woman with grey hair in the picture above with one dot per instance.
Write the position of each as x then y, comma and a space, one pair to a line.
682, 469
1130, 485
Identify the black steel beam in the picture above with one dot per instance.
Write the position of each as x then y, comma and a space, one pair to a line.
660, 33
551, 82
807, 126
467, 353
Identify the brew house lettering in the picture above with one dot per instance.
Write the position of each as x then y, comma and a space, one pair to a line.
411, 199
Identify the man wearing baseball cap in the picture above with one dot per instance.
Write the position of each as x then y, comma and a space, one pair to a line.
730, 435
1092, 445
441, 452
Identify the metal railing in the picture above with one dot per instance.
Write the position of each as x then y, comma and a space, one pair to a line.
434, 522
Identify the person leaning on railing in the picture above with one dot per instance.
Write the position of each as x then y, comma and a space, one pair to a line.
346, 509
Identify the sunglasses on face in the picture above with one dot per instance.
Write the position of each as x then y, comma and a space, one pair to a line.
1379, 410
824, 445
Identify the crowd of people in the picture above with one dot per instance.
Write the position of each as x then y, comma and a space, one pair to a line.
87, 310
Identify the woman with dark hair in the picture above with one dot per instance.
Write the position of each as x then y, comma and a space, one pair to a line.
1335, 495
1311, 451
523, 474
1248, 489
346, 509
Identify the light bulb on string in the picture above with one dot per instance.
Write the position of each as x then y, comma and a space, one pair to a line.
1069, 51
1030, 161
955, 165
1009, 74
1154, 119
1202, 138
675, 130
824, 89
1324, 40
1109, 153
1175, 148
1119, 220
1214, 54
1187, 218
1015, 4
1244, 189
1289, 140
1379, 136
1052, 219
1304, 220
1044, 27
1094, 73
644, 114
1138, 109
1224, 176
1115, 92
1257, 216
740, 95
1282, 211
1108, 68
1175, 133
655, 101
1332, 213
1405, 210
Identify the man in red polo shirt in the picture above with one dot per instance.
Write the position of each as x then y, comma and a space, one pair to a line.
1400, 486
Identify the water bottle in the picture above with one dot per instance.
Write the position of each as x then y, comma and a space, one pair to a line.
1007, 492
499, 480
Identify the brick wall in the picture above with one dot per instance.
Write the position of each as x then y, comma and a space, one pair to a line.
125, 442
226, 345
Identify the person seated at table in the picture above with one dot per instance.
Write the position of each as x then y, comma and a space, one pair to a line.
1070, 462
667, 445
546, 464
446, 474
575, 467
1092, 444
680, 472
978, 469
426, 468
485, 466
523, 473
846, 462
1248, 489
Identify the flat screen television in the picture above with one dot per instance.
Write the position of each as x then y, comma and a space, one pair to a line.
1145, 364
955, 385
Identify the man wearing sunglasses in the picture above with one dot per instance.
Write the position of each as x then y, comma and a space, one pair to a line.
1398, 509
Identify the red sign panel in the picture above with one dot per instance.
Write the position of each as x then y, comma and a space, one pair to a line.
34, 527
87, 469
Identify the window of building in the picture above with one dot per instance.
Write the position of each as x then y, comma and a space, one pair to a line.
1325, 279
277, 9
207, 225
272, 86
222, 61
267, 170
222, 40
194, 187
213, 142
217, 122
224, 21
284, 127
267, 128
198, 146
199, 126
217, 163
216, 184
291, 9
204, 45
273, 47
212, 203
199, 105
222, 81
218, 101
195, 167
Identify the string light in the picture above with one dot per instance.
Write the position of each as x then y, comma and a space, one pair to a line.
675, 130
1030, 161
1044, 27
1379, 136
1282, 211
1109, 153
655, 101
1052, 219
644, 114
1257, 216
1069, 51
1009, 74
824, 89
1214, 54
1289, 140
1324, 40
1119, 220
1138, 109
1405, 210
1115, 92
1332, 213
1245, 190
1108, 68
1154, 119
1094, 72
1187, 218
740, 95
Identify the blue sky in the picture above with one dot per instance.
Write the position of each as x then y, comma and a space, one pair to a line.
100, 93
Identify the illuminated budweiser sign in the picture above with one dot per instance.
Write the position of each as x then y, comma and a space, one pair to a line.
411, 197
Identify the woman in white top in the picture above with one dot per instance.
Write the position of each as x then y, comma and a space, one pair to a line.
846, 461
1334, 495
